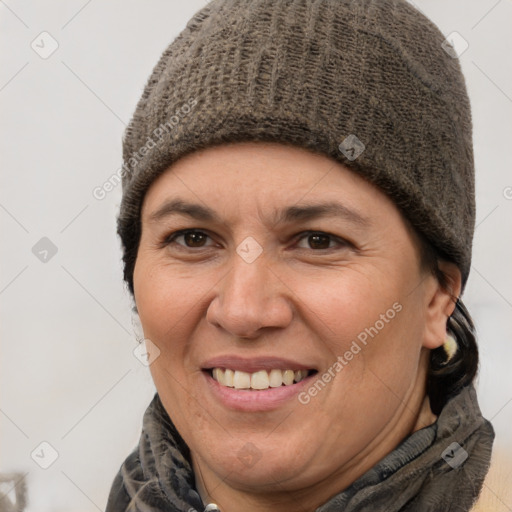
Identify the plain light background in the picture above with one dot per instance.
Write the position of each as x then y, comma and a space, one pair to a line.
68, 376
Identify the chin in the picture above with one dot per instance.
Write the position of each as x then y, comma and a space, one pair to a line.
251, 464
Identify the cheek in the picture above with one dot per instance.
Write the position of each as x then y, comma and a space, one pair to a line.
371, 328
348, 304
168, 303
164, 292
363, 327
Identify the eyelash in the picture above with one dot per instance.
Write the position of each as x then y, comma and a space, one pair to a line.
170, 239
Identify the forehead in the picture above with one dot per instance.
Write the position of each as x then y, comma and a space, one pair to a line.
266, 176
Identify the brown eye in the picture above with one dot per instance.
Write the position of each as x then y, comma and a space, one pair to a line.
191, 239
321, 241
195, 239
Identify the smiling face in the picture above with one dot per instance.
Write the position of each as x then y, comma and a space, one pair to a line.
267, 266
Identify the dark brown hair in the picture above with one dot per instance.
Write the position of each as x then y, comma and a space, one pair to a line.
129, 232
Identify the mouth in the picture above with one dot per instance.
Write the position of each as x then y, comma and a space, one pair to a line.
260, 380
256, 384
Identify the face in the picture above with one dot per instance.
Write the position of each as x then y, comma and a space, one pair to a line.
293, 320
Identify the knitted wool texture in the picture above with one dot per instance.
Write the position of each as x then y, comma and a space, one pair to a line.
312, 73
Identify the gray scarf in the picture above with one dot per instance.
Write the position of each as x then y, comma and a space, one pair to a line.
439, 468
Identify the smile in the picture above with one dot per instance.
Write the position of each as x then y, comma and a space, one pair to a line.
259, 380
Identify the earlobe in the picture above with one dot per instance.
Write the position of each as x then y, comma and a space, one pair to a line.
441, 304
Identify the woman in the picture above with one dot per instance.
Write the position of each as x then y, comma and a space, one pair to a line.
297, 219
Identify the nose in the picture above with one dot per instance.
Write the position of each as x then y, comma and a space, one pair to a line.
250, 299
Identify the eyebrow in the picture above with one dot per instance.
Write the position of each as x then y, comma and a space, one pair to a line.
290, 214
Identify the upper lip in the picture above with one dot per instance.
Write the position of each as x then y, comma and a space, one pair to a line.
253, 364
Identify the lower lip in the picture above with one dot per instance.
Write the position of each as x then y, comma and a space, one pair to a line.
255, 401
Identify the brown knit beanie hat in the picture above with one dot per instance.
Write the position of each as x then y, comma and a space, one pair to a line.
366, 82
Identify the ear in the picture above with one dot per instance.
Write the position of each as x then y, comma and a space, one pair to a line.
441, 304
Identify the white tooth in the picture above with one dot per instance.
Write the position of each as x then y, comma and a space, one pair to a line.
259, 380
297, 375
228, 378
218, 375
242, 380
288, 377
304, 374
275, 378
